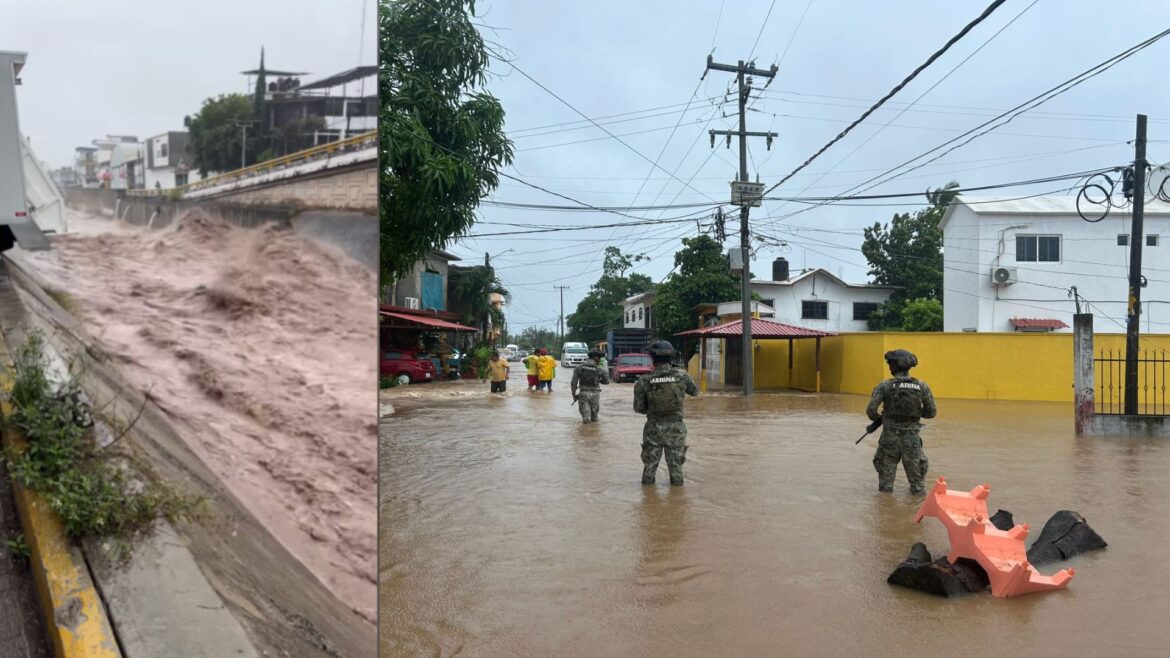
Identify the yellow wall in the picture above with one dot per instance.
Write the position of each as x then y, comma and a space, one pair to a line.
984, 366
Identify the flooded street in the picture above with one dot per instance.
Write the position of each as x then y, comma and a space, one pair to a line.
508, 528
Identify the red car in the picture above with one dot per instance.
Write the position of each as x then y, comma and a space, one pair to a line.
406, 366
629, 367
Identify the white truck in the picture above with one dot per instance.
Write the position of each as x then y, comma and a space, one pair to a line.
30, 204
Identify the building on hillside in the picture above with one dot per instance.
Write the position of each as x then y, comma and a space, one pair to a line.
1010, 264
425, 288
638, 311
342, 104
127, 167
103, 157
85, 164
65, 177
818, 299
168, 164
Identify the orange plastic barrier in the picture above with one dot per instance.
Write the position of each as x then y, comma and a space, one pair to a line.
1001, 553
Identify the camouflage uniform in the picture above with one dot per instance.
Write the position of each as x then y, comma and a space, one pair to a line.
589, 376
660, 395
904, 400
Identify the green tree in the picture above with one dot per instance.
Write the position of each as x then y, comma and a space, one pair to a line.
922, 315
907, 253
471, 290
442, 137
214, 135
601, 309
701, 276
296, 135
534, 337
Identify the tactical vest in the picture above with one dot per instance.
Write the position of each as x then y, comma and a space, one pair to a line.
904, 398
664, 392
588, 377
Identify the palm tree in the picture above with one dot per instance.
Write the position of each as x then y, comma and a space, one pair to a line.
943, 196
471, 293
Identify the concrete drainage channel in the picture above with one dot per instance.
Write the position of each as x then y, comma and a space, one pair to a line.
221, 587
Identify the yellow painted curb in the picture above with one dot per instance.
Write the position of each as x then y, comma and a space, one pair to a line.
75, 619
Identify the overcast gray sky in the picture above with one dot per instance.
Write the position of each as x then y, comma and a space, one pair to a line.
137, 67
609, 57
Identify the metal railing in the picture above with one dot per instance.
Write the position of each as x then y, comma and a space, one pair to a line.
321, 152
1109, 384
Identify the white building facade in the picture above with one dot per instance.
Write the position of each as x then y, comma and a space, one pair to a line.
638, 311
817, 299
1009, 265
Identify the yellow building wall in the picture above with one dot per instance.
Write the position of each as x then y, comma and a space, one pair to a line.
984, 366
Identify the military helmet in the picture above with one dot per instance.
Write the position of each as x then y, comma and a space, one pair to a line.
596, 353
661, 349
901, 359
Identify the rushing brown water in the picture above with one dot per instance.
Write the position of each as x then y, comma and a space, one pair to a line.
258, 344
509, 529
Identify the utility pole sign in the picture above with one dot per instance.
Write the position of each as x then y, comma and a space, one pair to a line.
745, 194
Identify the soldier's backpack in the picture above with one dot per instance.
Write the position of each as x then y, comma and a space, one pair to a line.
904, 398
587, 376
664, 393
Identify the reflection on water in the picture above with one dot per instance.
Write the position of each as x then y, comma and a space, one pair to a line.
508, 528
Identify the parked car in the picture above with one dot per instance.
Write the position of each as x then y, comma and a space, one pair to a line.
407, 366
628, 367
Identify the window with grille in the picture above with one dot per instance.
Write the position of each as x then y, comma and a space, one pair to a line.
814, 310
862, 310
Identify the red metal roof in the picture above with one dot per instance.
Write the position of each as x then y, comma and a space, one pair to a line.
428, 322
1037, 323
446, 315
761, 328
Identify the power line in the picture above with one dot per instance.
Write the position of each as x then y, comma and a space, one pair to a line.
1027, 105
913, 74
922, 95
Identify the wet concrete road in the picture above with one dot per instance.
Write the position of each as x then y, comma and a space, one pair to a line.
507, 528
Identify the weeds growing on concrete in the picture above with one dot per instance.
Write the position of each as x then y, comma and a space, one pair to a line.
18, 548
387, 382
65, 301
93, 490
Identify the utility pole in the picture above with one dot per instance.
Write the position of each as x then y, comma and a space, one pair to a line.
747, 197
561, 322
244, 142
1133, 320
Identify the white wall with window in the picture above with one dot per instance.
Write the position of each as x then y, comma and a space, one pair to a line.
638, 311
817, 299
1039, 248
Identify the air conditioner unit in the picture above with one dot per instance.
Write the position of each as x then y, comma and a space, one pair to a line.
1004, 276
412, 303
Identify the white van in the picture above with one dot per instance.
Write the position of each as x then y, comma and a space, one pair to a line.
573, 355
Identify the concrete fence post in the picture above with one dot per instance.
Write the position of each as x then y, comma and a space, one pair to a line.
1083, 371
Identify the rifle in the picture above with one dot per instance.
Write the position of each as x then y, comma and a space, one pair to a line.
870, 429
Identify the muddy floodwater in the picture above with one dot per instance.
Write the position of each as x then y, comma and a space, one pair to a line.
509, 529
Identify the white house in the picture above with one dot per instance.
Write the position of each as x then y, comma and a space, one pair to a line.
637, 311
1009, 265
818, 299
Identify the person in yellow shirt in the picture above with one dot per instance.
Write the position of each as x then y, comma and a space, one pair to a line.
546, 370
499, 370
530, 364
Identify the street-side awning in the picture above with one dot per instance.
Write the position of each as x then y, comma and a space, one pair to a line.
761, 329
404, 321
1037, 324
